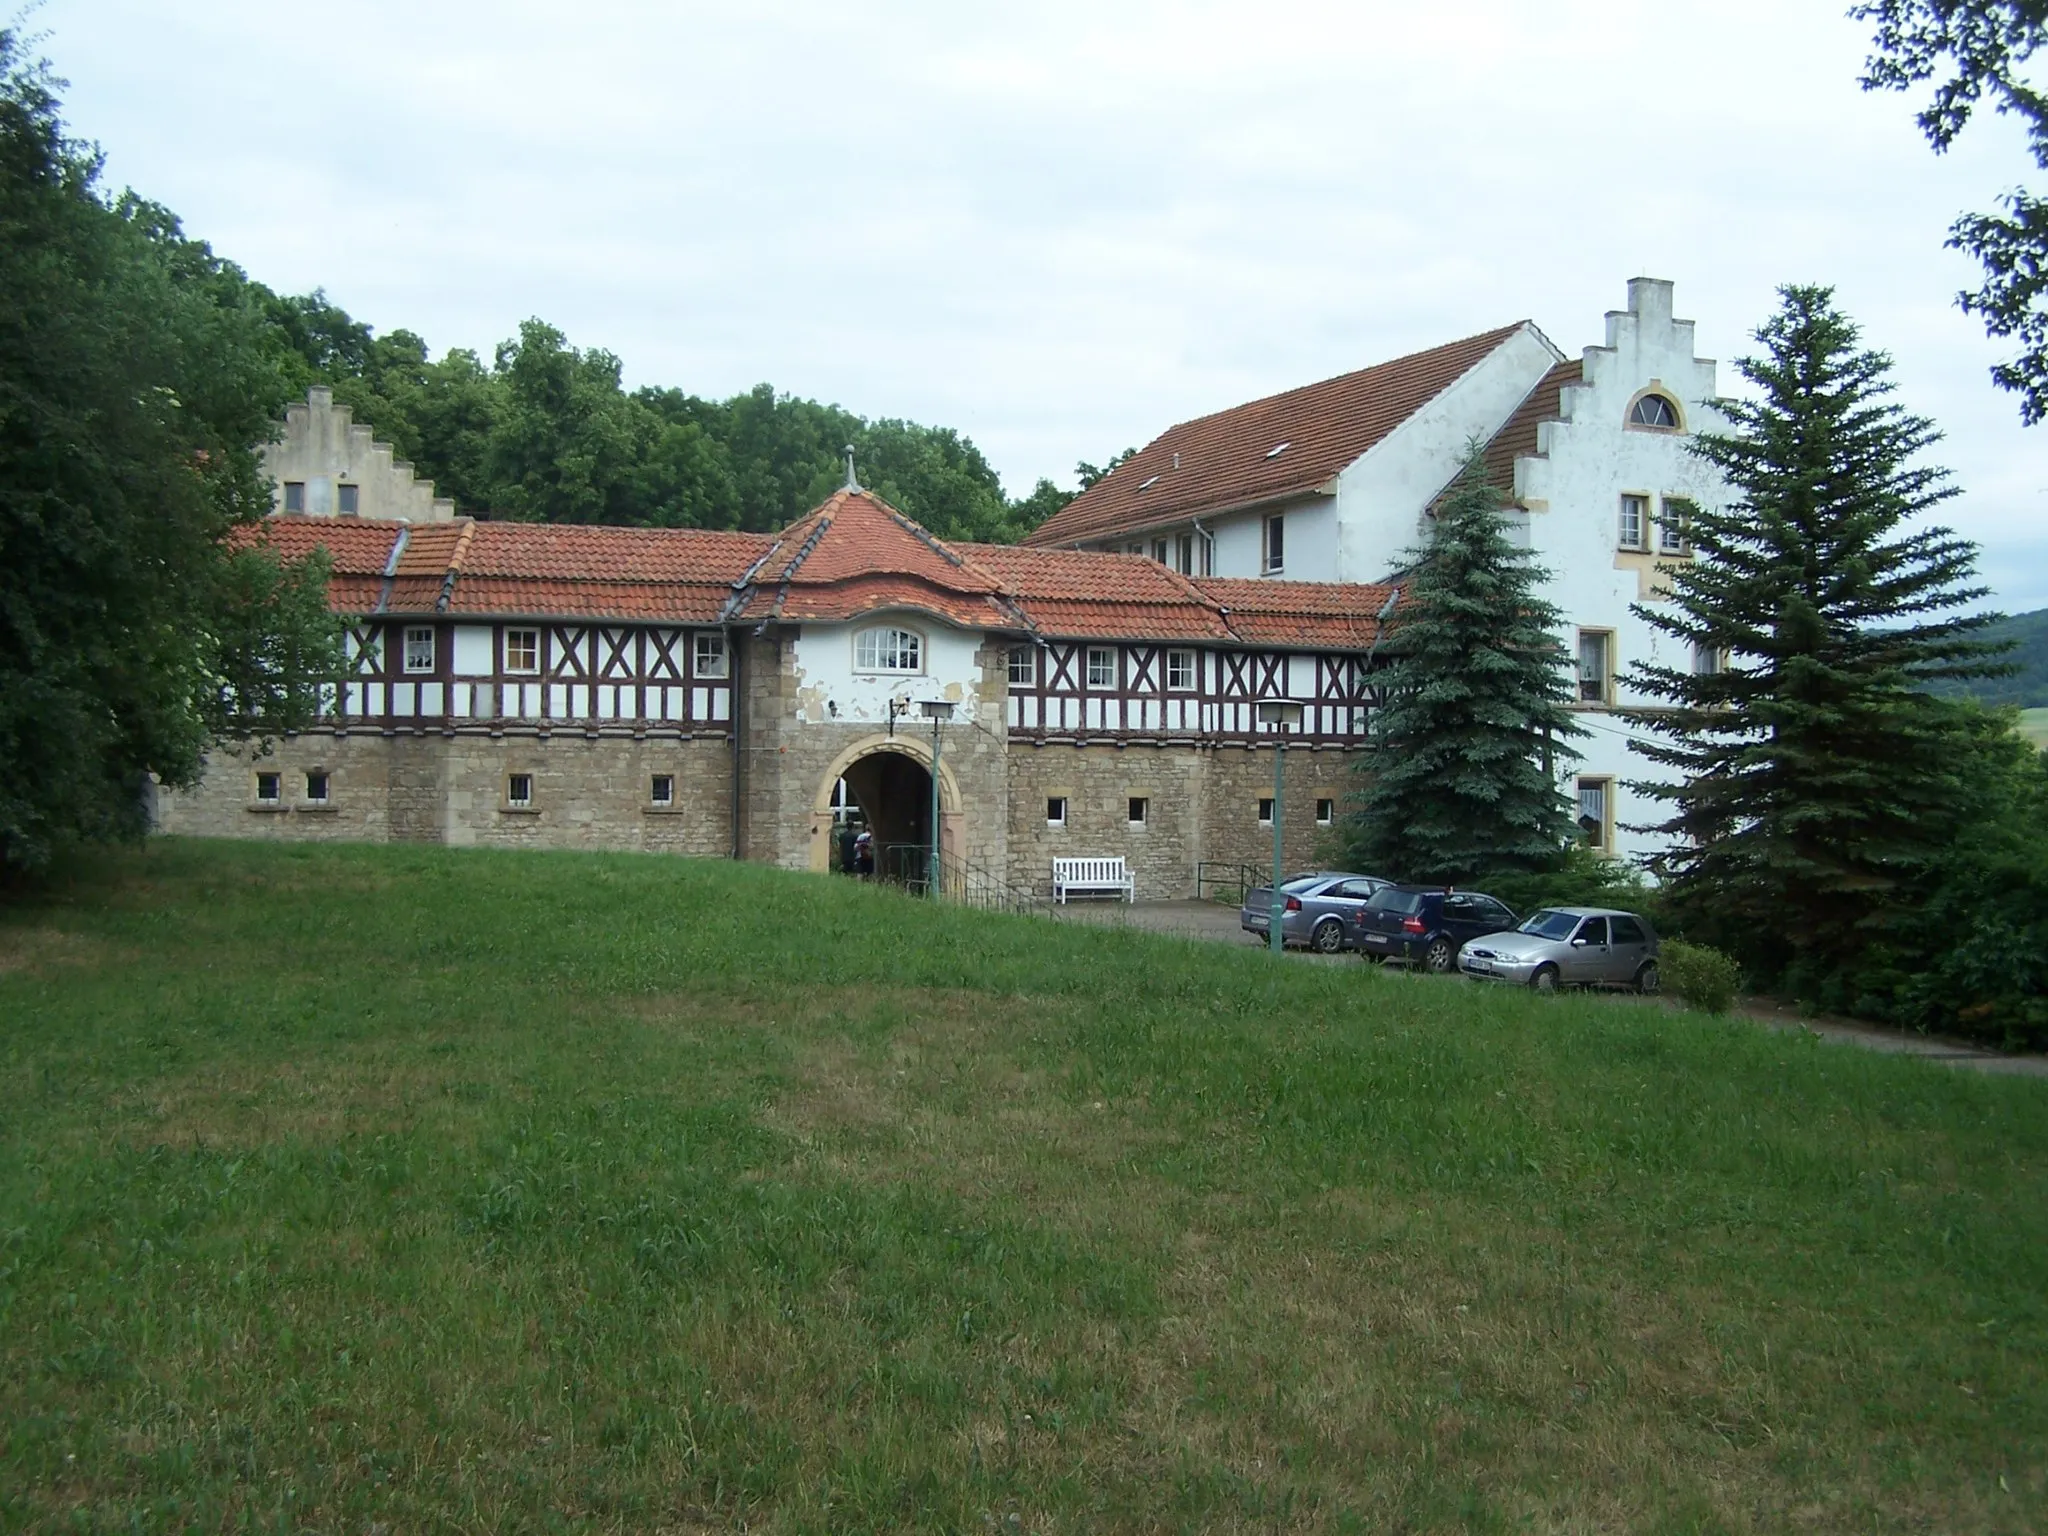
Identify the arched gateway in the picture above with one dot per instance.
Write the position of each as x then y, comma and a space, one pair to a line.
890, 778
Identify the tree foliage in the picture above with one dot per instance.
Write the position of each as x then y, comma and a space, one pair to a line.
137, 375
1461, 782
1975, 52
1815, 780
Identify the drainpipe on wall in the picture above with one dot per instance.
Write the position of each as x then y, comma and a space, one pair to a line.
735, 649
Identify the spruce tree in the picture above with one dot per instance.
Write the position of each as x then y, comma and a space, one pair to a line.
1462, 780
1814, 780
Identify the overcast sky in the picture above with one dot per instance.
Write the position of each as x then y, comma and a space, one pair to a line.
1063, 227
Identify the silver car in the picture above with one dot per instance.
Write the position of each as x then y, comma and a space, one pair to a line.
1568, 947
1320, 911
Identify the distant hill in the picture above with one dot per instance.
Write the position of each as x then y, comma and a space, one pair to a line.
2027, 687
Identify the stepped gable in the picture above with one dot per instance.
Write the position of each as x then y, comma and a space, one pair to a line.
855, 555
1226, 460
1338, 616
1520, 435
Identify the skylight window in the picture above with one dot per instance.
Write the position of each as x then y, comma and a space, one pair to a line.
1277, 449
1147, 484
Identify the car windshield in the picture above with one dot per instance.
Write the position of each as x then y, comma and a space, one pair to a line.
1390, 899
1549, 924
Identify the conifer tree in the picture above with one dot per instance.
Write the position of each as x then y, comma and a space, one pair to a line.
1462, 780
1814, 779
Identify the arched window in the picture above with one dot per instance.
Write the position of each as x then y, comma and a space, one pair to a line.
1654, 411
888, 650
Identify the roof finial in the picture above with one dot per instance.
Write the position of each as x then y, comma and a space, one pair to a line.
852, 484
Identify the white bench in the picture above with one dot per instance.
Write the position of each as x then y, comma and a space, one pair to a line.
1084, 877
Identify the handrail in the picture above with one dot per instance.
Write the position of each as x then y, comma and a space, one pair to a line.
1215, 880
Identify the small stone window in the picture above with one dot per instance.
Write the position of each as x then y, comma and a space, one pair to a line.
295, 495
522, 650
1101, 667
1056, 811
708, 660
419, 649
663, 790
1266, 811
316, 787
888, 650
1023, 666
1180, 671
519, 789
1656, 412
1634, 520
348, 499
269, 786
1326, 812
1141, 809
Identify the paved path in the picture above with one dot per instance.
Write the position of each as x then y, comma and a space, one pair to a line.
1215, 921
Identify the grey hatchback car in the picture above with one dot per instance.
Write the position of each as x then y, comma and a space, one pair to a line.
1320, 911
1568, 947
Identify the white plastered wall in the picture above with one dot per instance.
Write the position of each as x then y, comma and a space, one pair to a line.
831, 690
323, 449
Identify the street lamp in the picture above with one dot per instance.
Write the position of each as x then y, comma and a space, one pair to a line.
1285, 715
938, 711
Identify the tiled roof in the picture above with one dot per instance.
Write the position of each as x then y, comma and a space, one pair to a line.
1228, 459
854, 556
1517, 437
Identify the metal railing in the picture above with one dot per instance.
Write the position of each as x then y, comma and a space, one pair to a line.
1218, 881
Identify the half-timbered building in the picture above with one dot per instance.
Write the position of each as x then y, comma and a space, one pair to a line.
736, 695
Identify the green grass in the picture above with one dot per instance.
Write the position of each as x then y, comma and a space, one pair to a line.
354, 1189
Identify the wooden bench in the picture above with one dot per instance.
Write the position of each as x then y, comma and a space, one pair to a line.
1092, 877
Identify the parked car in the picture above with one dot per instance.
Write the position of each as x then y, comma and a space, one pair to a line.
1320, 909
1569, 947
1426, 924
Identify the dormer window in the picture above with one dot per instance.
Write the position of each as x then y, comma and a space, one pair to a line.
1277, 449
888, 650
1148, 482
1656, 412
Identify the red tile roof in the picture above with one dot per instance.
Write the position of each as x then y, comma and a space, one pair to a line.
853, 556
1227, 460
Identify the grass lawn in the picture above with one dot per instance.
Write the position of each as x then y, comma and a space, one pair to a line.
368, 1189
2034, 726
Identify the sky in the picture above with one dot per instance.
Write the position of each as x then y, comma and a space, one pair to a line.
1062, 227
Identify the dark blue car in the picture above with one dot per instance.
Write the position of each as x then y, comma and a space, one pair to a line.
1426, 925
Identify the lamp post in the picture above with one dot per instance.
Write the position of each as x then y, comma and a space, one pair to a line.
1284, 714
938, 711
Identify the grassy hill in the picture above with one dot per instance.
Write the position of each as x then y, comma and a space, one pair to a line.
360, 1189
2028, 687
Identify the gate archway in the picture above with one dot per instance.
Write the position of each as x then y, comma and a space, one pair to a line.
890, 778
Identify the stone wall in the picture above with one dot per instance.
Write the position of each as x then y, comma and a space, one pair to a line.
588, 791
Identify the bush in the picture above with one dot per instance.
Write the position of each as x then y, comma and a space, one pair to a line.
1581, 878
1701, 976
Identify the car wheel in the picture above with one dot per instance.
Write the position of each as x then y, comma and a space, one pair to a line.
1328, 938
1545, 979
1440, 956
1648, 982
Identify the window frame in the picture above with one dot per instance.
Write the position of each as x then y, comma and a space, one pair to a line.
1265, 810
1606, 679
1326, 812
1663, 396
1088, 668
417, 633
709, 644
1603, 785
1029, 656
869, 650
1674, 517
1273, 544
1056, 809
1640, 503
513, 797
1716, 658
294, 496
506, 647
1138, 810
1189, 662
325, 782
271, 780
348, 499
661, 791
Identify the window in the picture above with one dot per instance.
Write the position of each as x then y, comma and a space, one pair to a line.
268, 786
1180, 671
1159, 550
1595, 664
1627, 930
1326, 812
1140, 809
888, 650
1593, 812
1023, 666
519, 789
1706, 660
708, 656
522, 650
1276, 542
1654, 411
1674, 529
1266, 812
1184, 554
1056, 811
1635, 517
1101, 667
663, 790
295, 495
316, 787
419, 649
348, 499
1277, 449
1592, 931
